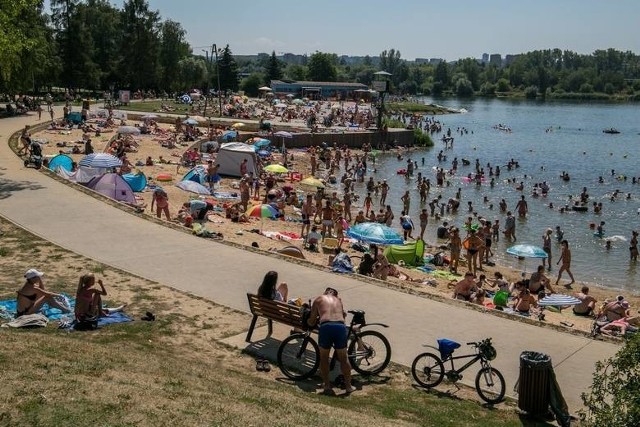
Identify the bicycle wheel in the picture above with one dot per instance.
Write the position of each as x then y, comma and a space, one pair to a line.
490, 385
427, 369
298, 357
373, 356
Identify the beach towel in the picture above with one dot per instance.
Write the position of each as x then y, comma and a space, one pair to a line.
9, 306
342, 264
114, 318
445, 275
226, 195
28, 321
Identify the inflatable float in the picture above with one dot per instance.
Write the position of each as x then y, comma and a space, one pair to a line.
401, 171
164, 177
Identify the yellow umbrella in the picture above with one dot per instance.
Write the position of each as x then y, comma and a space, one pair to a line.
237, 125
276, 169
312, 182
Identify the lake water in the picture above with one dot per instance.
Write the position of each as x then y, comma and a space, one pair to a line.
576, 144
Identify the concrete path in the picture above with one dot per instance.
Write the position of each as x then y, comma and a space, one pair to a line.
224, 274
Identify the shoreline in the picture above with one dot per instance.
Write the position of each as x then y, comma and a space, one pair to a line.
240, 236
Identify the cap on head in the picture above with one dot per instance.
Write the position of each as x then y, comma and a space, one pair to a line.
32, 273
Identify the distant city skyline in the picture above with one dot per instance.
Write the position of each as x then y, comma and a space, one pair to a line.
418, 29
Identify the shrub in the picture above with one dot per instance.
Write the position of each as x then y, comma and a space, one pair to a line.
422, 139
586, 88
503, 85
488, 88
614, 397
464, 87
531, 92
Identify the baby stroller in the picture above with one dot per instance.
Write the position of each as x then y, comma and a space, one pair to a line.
35, 156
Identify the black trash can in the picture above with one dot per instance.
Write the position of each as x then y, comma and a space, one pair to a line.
534, 383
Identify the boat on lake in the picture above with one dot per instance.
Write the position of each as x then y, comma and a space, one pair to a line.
611, 131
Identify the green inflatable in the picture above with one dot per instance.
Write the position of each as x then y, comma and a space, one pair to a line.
411, 254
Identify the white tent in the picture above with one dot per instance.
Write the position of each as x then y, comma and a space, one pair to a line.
231, 156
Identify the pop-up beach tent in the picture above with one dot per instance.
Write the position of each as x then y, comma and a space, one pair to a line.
113, 186
137, 181
196, 174
410, 253
61, 160
231, 156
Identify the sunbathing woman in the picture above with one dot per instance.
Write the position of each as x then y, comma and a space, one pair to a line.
268, 288
89, 300
33, 295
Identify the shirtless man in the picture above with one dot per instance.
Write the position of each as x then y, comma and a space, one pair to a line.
212, 174
328, 312
384, 189
327, 219
465, 288
587, 303
522, 207
307, 213
565, 258
538, 281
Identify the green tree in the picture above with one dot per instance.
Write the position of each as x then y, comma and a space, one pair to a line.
614, 397
503, 85
296, 72
531, 92
464, 87
442, 75
273, 69
193, 72
228, 69
322, 67
251, 84
139, 68
103, 23
173, 49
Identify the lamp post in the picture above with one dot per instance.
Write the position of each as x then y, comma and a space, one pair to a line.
206, 84
215, 50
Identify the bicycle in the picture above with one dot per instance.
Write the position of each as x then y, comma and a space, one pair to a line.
428, 369
369, 352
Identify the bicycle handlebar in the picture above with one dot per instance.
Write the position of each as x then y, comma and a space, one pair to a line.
472, 343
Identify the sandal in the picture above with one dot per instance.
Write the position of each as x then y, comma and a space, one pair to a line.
149, 317
260, 365
266, 367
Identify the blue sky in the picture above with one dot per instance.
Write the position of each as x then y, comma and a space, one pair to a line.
418, 28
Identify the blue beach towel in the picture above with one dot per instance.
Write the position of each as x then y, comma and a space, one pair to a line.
114, 318
9, 306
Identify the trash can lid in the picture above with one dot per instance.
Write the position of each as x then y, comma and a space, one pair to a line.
534, 358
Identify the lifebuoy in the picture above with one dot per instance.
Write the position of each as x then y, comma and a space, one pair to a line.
401, 171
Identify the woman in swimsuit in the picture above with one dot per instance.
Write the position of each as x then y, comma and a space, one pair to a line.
89, 300
473, 244
33, 295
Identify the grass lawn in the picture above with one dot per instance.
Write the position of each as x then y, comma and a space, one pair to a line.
175, 371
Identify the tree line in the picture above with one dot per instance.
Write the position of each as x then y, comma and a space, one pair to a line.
91, 44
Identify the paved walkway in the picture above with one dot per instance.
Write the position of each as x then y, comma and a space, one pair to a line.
224, 274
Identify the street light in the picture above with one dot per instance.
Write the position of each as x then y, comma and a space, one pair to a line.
206, 86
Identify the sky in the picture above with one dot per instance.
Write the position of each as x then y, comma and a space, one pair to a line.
417, 28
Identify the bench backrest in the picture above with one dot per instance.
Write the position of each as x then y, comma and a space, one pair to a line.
277, 311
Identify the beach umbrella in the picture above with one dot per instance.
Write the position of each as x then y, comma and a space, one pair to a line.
100, 160
290, 95
237, 125
298, 101
262, 211
276, 169
373, 232
558, 300
149, 116
527, 251
261, 143
128, 130
283, 134
186, 99
193, 187
265, 88
190, 121
312, 182
229, 135
263, 153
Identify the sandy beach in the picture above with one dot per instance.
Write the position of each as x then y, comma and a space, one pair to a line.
278, 234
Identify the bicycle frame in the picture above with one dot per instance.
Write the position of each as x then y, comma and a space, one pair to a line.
453, 370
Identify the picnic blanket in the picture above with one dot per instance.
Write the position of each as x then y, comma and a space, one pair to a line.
226, 195
282, 235
8, 309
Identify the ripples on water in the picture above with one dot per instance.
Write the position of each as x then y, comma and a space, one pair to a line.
576, 145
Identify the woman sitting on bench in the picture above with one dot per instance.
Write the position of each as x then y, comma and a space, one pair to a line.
268, 288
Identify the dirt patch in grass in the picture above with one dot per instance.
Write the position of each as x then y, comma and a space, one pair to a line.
175, 371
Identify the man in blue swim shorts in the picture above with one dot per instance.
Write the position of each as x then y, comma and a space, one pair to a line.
327, 311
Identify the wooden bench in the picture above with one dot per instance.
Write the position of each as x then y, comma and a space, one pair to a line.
273, 311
